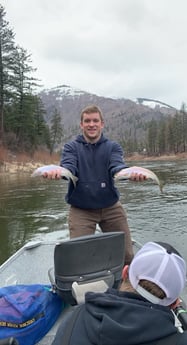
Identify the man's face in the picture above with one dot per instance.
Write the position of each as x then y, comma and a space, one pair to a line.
92, 126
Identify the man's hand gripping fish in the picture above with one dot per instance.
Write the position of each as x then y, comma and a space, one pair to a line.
127, 173
55, 171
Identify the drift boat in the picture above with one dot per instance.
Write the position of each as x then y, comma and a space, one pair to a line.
72, 267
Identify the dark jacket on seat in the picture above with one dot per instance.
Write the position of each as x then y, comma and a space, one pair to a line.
121, 318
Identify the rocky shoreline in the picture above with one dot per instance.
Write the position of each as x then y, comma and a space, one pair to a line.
28, 167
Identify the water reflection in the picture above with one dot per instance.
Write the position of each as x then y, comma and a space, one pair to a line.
29, 209
159, 216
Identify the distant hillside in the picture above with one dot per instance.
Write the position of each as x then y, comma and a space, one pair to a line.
153, 103
122, 116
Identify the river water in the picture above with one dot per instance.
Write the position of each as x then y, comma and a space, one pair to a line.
34, 208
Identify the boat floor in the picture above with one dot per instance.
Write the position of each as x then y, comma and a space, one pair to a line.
29, 265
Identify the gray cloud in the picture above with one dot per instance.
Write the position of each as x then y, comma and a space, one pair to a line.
115, 48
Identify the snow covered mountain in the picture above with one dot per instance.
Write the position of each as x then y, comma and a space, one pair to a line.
152, 103
66, 91
121, 115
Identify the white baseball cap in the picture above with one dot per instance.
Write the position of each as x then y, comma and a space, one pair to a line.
161, 264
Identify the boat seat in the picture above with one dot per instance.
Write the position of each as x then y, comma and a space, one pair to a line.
88, 263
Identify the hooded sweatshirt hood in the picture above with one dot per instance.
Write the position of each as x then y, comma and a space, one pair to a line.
115, 318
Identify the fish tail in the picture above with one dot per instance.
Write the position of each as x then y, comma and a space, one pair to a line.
161, 186
74, 180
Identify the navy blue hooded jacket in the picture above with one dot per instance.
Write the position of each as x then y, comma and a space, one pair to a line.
120, 318
94, 165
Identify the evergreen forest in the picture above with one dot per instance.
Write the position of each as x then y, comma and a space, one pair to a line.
23, 127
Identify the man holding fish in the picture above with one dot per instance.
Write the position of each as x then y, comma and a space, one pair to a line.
92, 164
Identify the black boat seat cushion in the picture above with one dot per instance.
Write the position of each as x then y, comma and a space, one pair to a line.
88, 260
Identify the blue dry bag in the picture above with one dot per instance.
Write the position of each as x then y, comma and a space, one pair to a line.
27, 312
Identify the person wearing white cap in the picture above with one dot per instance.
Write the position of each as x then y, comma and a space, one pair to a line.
161, 265
141, 312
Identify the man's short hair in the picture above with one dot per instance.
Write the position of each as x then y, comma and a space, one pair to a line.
90, 110
162, 265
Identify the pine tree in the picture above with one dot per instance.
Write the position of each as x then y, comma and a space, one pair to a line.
162, 136
23, 84
183, 113
7, 49
152, 137
56, 131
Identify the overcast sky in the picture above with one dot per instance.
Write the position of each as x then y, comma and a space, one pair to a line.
113, 48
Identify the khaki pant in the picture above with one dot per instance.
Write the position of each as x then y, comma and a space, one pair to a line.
83, 222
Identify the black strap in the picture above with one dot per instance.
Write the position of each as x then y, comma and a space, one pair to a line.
70, 325
22, 324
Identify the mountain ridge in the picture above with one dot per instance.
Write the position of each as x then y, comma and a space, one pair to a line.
121, 115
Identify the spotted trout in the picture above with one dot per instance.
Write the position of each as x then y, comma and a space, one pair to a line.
65, 173
126, 174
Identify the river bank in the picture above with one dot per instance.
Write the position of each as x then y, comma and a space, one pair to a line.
15, 167
169, 157
23, 163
